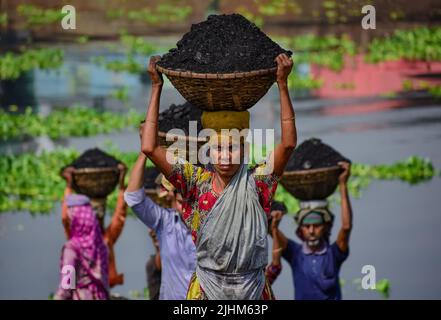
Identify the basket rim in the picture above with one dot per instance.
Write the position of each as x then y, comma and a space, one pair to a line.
309, 171
163, 134
232, 75
93, 170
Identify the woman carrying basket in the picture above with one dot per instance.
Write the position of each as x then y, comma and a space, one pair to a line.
226, 206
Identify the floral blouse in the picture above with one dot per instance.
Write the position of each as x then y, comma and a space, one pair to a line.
195, 185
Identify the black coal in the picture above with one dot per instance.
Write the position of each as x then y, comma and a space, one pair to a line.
179, 117
313, 154
94, 158
223, 44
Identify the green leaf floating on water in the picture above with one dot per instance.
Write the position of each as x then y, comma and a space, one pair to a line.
412, 170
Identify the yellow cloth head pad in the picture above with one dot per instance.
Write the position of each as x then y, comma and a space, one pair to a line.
218, 120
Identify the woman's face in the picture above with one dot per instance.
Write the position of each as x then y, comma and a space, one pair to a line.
226, 158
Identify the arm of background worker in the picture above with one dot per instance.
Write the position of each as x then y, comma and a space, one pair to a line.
116, 226
145, 209
67, 174
274, 269
283, 151
280, 242
158, 261
64, 216
346, 209
136, 179
278, 238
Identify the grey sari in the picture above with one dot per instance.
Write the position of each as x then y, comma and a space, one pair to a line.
232, 243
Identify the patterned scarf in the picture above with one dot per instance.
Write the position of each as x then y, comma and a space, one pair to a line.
87, 240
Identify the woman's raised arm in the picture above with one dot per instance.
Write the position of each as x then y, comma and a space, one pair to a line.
149, 143
283, 151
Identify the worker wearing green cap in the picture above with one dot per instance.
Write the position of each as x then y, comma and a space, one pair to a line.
316, 262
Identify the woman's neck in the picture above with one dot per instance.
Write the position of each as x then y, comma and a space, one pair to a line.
220, 182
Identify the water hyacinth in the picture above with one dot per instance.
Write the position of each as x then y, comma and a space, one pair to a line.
12, 65
416, 44
23, 187
83, 121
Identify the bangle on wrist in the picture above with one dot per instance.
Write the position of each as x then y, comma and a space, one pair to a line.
151, 121
289, 119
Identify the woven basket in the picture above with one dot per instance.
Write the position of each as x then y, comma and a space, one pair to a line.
187, 139
95, 182
313, 184
237, 91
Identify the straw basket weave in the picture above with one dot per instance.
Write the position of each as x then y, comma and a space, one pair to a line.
198, 142
95, 182
237, 91
313, 184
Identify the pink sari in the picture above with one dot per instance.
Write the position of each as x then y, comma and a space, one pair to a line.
86, 252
